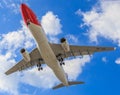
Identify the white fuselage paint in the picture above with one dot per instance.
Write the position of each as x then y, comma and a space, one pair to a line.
47, 52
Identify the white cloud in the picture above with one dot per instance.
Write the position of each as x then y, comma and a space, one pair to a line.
6, 82
12, 5
117, 61
51, 24
15, 7
74, 66
42, 79
9, 44
16, 39
72, 38
12, 39
104, 21
53, 39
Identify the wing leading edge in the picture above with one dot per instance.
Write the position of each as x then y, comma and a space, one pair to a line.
58, 50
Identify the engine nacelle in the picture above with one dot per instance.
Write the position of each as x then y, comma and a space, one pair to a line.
65, 45
25, 55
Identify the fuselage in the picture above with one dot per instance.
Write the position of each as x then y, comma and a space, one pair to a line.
43, 44
46, 52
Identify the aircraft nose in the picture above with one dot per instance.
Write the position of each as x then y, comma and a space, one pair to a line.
28, 15
22, 5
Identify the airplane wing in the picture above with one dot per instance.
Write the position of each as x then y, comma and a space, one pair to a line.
78, 50
58, 50
22, 65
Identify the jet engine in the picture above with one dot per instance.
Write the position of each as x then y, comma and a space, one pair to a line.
25, 55
65, 45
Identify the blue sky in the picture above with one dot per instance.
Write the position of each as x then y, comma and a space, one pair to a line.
82, 22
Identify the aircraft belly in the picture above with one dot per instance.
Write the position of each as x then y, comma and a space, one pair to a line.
51, 61
47, 53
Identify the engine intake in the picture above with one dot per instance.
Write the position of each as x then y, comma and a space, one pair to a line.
65, 45
25, 55
62, 40
22, 50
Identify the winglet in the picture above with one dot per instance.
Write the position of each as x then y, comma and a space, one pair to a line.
70, 83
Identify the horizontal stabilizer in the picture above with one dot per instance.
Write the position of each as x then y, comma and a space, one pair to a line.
70, 83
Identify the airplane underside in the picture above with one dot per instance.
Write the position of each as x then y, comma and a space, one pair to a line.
50, 53
47, 53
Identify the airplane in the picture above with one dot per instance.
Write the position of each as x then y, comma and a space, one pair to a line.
49, 53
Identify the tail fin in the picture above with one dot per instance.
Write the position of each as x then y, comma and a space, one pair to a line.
70, 83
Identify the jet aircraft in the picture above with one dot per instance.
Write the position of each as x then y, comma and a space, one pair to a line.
50, 53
